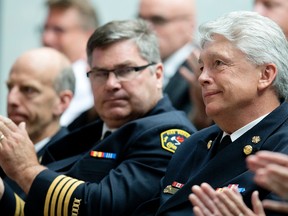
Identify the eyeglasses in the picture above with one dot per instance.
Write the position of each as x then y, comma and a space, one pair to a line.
122, 74
58, 30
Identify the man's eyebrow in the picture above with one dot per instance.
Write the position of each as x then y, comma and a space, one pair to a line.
121, 65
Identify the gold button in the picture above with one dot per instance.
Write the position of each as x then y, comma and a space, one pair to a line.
247, 149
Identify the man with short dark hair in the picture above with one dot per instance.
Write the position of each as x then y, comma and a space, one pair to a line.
67, 28
174, 22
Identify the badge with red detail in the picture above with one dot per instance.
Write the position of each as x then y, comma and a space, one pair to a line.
173, 138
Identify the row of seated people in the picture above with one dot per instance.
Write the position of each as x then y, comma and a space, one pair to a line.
75, 160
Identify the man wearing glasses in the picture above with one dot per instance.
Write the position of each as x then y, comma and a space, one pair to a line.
67, 28
174, 23
102, 175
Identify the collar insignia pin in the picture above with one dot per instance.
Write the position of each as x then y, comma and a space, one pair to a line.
256, 139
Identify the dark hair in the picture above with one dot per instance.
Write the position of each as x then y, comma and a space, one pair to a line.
136, 30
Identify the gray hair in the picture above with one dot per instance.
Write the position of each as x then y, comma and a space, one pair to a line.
137, 30
65, 80
258, 37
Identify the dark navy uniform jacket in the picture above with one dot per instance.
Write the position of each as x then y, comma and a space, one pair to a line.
180, 96
60, 134
193, 165
111, 178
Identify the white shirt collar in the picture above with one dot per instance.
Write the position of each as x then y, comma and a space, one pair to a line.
106, 128
244, 129
38, 146
175, 60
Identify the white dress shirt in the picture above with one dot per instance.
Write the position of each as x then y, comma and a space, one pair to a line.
38, 146
172, 63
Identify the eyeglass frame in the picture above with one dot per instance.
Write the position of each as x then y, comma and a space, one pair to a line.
58, 30
114, 71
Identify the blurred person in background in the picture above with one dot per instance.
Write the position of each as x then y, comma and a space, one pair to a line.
67, 28
40, 88
277, 10
174, 22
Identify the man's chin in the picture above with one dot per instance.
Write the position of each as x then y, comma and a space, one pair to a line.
115, 104
116, 114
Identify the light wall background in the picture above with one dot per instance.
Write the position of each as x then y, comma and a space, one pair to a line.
20, 22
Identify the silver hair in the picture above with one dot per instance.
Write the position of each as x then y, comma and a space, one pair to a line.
258, 37
65, 80
137, 30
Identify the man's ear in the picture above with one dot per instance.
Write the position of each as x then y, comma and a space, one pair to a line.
159, 74
268, 75
65, 98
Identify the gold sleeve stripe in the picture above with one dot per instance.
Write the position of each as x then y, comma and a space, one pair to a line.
68, 196
61, 185
50, 192
57, 191
19, 210
63, 193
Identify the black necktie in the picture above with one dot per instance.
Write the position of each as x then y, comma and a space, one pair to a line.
106, 134
224, 142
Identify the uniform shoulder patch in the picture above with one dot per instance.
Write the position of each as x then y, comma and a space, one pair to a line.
172, 138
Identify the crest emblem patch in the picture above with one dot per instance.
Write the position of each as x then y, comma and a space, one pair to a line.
173, 138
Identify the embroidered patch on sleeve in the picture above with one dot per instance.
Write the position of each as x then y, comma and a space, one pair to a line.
171, 139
